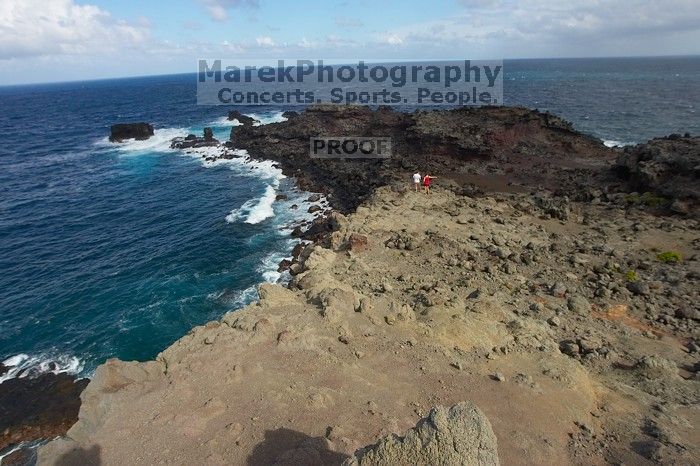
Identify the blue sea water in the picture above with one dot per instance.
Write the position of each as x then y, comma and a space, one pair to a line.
619, 100
118, 250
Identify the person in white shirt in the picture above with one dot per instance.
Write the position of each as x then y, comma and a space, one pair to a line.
416, 181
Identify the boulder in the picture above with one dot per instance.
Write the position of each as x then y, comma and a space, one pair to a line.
357, 242
657, 367
579, 305
245, 120
459, 435
138, 131
283, 265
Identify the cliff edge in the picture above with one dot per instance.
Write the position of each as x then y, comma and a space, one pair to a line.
522, 305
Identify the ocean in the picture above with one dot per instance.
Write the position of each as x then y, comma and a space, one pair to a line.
117, 250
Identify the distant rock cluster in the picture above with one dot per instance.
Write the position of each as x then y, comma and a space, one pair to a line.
192, 141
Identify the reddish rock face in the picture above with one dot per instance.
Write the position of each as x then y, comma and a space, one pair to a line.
357, 242
501, 146
38, 408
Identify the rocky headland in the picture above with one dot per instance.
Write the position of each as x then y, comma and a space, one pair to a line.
540, 307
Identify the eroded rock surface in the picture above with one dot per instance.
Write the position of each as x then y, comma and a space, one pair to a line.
491, 299
489, 147
667, 169
459, 435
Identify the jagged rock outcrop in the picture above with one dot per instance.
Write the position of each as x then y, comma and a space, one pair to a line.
245, 120
139, 131
509, 145
668, 167
459, 435
192, 141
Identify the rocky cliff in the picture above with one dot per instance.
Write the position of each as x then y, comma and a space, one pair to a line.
487, 147
422, 300
532, 283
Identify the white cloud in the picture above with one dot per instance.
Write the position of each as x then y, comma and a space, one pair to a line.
265, 41
218, 9
393, 39
304, 43
33, 28
572, 28
606, 18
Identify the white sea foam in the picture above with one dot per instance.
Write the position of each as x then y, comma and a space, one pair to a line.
269, 265
241, 212
266, 119
255, 211
159, 142
612, 143
33, 445
242, 163
263, 209
243, 298
224, 122
24, 365
262, 119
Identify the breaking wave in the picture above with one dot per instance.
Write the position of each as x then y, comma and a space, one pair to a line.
612, 143
23, 365
159, 142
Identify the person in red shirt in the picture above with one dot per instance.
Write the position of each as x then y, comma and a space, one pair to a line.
426, 183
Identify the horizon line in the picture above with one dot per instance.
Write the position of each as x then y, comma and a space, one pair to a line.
407, 60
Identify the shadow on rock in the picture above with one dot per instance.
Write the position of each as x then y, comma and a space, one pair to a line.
80, 457
286, 447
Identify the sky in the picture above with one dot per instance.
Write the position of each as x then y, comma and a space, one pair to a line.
61, 40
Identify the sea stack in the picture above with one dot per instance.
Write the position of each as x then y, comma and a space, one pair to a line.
138, 131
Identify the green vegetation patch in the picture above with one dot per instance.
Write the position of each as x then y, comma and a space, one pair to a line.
670, 257
648, 199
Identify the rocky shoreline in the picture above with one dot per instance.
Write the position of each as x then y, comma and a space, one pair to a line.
544, 281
